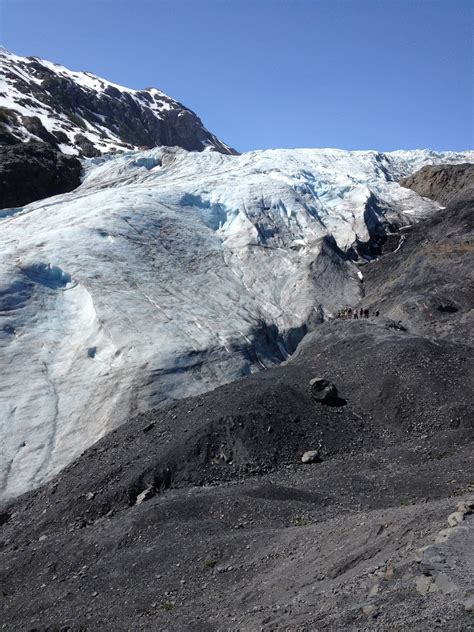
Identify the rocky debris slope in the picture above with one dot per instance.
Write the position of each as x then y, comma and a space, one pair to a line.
31, 171
428, 282
82, 114
268, 420
447, 565
168, 273
446, 184
203, 517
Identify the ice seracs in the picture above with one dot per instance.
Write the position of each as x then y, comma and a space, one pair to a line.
170, 272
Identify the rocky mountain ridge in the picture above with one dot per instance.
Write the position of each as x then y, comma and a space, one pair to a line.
442, 183
81, 114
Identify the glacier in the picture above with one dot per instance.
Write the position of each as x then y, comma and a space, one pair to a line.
168, 273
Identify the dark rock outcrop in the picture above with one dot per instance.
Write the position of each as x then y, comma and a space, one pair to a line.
427, 284
31, 171
446, 184
8, 120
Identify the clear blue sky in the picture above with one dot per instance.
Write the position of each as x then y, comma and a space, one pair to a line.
355, 74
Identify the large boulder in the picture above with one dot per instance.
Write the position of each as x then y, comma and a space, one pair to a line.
312, 456
324, 391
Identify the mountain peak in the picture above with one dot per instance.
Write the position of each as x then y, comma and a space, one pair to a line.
83, 114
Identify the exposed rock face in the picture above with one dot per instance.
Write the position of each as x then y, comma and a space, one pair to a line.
446, 184
80, 114
87, 115
31, 171
419, 284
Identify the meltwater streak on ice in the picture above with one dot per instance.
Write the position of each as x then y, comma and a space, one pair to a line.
168, 273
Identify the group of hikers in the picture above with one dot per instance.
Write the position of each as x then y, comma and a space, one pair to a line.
348, 313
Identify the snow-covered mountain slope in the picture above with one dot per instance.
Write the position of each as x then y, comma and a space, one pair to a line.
167, 273
85, 115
